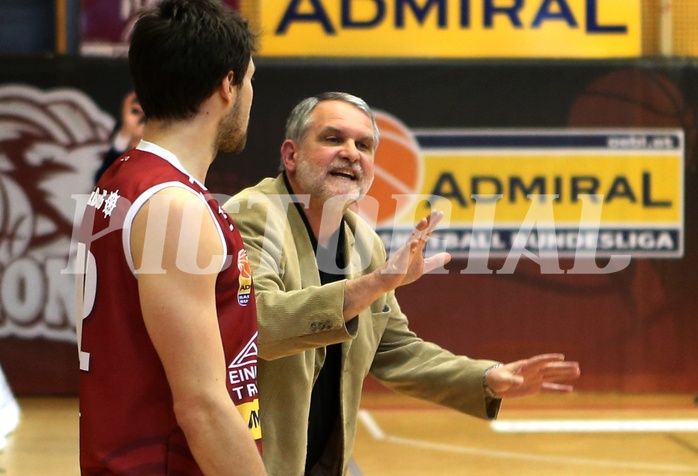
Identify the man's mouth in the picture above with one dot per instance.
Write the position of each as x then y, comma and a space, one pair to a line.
347, 174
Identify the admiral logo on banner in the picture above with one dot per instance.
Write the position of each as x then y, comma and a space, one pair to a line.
602, 192
450, 28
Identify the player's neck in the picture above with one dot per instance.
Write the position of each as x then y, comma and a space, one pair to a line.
192, 144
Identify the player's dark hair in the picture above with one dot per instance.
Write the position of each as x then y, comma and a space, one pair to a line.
180, 51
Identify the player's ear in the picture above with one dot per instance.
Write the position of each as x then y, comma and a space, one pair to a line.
289, 154
226, 88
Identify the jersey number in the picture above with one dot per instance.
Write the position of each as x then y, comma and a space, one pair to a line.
86, 290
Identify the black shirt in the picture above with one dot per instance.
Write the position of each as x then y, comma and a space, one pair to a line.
324, 400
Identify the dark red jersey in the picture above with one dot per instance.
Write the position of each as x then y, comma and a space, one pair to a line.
127, 422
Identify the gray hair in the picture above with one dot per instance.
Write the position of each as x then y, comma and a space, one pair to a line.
299, 120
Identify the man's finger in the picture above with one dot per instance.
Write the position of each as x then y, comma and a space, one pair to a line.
434, 218
556, 388
436, 261
427, 225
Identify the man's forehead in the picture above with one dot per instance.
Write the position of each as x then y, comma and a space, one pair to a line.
339, 115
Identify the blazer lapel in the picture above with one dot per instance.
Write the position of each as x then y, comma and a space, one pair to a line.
300, 242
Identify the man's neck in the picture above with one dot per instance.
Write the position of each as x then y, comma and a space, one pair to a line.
185, 139
324, 218
325, 221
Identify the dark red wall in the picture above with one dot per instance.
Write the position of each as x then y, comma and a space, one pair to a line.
634, 330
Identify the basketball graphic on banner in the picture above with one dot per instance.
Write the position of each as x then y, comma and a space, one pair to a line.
398, 170
635, 98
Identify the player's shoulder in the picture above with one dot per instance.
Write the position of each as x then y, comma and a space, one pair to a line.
175, 197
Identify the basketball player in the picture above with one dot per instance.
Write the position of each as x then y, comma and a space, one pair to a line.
168, 344
327, 309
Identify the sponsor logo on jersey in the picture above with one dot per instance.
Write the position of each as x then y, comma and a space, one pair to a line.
250, 413
242, 372
245, 278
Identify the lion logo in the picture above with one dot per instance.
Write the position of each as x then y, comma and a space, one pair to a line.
51, 143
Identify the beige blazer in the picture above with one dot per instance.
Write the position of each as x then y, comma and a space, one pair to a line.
298, 318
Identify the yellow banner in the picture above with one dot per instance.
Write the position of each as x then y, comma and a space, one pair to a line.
451, 28
630, 188
607, 190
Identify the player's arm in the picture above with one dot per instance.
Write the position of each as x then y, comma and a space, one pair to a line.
177, 295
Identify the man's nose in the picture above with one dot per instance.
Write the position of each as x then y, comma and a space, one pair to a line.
351, 152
